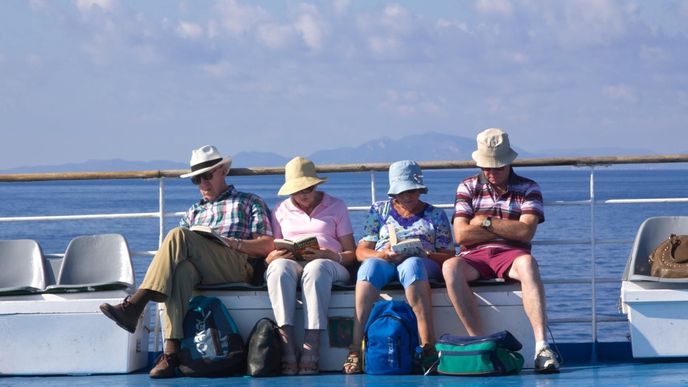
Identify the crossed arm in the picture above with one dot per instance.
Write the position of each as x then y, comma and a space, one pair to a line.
468, 232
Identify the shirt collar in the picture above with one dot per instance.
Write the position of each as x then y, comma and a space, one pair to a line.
231, 191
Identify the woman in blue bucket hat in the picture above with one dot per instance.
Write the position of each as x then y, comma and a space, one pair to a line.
403, 217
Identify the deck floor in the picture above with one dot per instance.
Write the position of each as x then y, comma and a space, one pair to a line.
599, 374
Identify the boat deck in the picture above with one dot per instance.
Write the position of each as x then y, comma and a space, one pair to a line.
583, 374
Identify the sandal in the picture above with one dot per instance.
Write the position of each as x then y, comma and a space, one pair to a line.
352, 365
289, 368
309, 365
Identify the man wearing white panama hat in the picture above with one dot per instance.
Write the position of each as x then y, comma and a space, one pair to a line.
186, 258
496, 213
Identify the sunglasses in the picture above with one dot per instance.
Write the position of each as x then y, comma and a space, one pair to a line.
205, 176
305, 190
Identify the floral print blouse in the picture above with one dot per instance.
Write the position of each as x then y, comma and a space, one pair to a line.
431, 226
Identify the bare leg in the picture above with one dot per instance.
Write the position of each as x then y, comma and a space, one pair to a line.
457, 273
525, 270
418, 295
366, 294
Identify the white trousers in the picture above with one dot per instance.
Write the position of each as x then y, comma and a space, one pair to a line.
316, 278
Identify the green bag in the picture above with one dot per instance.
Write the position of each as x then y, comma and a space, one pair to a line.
495, 354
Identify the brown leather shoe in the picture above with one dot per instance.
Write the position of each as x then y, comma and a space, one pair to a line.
165, 366
124, 314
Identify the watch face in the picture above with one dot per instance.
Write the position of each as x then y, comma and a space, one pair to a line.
487, 223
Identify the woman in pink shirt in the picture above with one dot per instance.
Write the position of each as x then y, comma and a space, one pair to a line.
307, 212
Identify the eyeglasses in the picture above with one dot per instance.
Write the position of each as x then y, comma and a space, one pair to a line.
500, 169
205, 176
305, 190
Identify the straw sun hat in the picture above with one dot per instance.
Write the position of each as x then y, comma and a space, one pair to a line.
204, 159
299, 173
494, 150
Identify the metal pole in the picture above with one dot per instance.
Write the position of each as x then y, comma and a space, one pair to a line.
593, 355
372, 186
161, 232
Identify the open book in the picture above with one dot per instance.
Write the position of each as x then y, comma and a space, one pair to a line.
208, 232
409, 248
298, 246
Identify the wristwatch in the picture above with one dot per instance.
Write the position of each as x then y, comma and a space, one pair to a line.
487, 223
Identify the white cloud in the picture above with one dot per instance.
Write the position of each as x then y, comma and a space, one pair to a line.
412, 103
592, 22
275, 35
189, 30
312, 27
341, 6
384, 47
85, 6
620, 92
237, 19
397, 19
652, 53
221, 69
495, 7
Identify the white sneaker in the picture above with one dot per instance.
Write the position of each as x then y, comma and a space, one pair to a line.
546, 362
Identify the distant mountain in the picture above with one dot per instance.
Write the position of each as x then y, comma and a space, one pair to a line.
420, 147
106, 165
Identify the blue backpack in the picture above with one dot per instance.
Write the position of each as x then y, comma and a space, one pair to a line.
212, 345
391, 342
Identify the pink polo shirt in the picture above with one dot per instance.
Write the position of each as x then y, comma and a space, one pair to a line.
328, 221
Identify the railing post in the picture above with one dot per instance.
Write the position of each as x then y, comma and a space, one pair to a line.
593, 237
372, 187
161, 235
161, 206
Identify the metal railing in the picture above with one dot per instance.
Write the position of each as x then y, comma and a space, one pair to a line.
584, 162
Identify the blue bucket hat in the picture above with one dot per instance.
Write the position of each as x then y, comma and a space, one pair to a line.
404, 176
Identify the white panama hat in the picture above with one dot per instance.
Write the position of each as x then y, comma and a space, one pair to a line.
204, 159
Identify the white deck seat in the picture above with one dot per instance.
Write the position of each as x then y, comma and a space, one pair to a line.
650, 234
655, 305
22, 267
95, 262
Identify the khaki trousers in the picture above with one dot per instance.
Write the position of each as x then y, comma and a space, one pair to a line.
185, 260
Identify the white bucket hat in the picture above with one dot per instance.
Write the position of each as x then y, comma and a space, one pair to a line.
204, 159
299, 173
404, 176
494, 150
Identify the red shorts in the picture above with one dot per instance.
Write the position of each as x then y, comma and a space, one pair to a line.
493, 262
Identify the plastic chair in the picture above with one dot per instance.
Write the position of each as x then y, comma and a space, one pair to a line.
22, 266
650, 234
96, 261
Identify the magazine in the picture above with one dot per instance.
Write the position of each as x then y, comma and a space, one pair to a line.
208, 232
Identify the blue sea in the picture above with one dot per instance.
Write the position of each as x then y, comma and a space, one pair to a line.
617, 221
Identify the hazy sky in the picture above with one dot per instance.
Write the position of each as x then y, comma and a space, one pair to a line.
144, 80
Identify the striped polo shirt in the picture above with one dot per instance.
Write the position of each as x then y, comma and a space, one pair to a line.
476, 196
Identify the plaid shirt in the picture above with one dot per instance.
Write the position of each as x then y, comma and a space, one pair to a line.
476, 196
232, 214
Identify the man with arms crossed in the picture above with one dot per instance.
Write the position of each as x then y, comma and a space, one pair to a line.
496, 215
